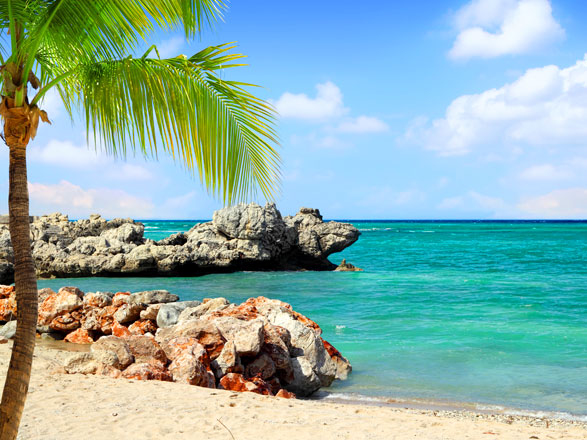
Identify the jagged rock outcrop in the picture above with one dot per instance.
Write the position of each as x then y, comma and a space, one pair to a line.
261, 345
242, 237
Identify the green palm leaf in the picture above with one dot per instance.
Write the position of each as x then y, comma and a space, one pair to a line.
213, 126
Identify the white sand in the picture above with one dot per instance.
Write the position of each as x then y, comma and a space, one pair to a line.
62, 407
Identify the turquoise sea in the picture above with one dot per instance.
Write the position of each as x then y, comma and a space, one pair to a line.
487, 312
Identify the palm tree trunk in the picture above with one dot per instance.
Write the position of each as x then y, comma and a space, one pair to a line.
19, 370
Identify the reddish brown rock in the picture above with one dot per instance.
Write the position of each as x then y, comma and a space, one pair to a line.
44, 293
262, 387
277, 345
237, 382
244, 311
79, 336
146, 349
6, 291
106, 318
143, 326
8, 308
176, 346
120, 331
147, 371
343, 366
285, 394
205, 332
66, 300
65, 323
190, 367
120, 298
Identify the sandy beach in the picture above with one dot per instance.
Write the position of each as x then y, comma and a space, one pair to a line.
62, 406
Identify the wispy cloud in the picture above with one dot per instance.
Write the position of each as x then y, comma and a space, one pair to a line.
78, 202
66, 154
362, 124
568, 203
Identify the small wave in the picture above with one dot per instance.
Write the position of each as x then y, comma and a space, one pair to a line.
151, 227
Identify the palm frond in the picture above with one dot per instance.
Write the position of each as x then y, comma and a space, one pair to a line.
216, 127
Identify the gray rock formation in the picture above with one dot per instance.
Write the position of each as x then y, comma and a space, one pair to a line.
242, 237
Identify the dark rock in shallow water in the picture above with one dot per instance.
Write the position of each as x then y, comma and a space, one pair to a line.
243, 237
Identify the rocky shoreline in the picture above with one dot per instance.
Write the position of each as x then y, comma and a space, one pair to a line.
242, 237
262, 345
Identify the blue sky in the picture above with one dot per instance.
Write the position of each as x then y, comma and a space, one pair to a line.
401, 110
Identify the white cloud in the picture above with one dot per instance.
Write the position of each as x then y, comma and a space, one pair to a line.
77, 202
491, 28
545, 106
474, 201
52, 104
381, 198
66, 154
170, 48
362, 124
562, 204
327, 104
545, 172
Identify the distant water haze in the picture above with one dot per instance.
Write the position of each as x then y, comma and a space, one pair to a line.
487, 312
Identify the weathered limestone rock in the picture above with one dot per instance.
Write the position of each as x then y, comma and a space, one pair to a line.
8, 330
113, 351
129, 312
120, 299
242, 237
146, 349
151, 312
169, 313
247, 335
343, 366
209, 305
98, 299
82, 363
149, 297
227, 362
305, 380
147, 371
191, 366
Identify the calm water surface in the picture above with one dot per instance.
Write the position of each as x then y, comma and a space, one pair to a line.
494, 313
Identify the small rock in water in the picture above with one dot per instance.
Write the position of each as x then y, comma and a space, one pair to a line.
347, 267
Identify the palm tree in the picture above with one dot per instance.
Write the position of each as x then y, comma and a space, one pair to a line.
180, 105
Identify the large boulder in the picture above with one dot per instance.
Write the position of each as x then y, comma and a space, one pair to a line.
168, 314
112, 351
247, 336
241, 237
